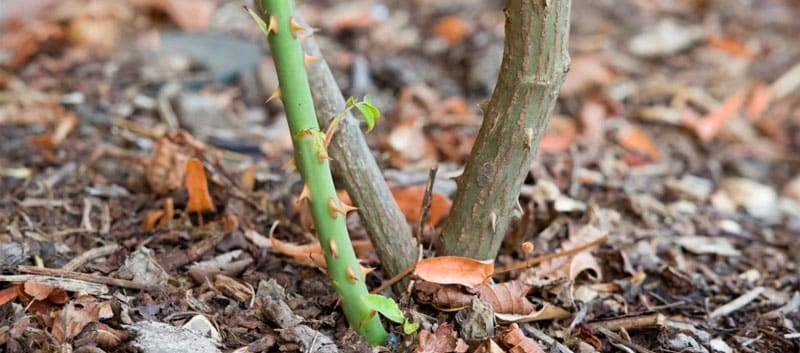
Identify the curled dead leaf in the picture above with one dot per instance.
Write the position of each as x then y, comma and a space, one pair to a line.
570, 267
455, 270
77, 314
197, 188
519, 343
311, 254
165, 170
444, 340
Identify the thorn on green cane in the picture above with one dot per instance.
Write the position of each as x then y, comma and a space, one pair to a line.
305, 194
272, 27
305, 36
351, 275
291, 164
275, 95
335, 209
308, 59
323, 156
295, 27
334, 248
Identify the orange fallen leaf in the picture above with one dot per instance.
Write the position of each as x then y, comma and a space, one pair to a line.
707, 127
454, 270
760, 98
730, 46
452, 28
231, 223
410, 199
9, 294
150, 219
197, 187
248, 179
311, 254
636, 140
38, 291
560, 134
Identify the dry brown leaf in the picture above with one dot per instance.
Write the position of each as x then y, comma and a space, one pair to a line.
508, 300
454, 270
9, 294
547, 311
570, 267
197, 187
444, 340
519, 343
151, 218
760, 98
410, 198
731, 46
38, 291
311, 254
165, 170
190, 15
586, 72
560, 134
231, 223
70, 321
94, 32
593, 116
169, 212
452, 28
636, 140
248, 180
408, 144
707, 127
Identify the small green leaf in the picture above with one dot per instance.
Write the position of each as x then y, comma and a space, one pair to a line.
410, 327
350, 102
386, 306
259, 21
369, 111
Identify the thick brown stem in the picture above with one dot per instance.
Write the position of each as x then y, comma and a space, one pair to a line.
355, 165
535, 62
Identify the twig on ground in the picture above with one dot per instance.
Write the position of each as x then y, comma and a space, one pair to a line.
648, 321
396, 278
67, 284
547, 257
87, 277
426, 202
89, 255
737, 303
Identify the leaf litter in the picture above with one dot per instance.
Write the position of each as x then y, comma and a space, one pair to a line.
672, 137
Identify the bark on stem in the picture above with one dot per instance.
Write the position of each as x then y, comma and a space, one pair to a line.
535, 61
353, 163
